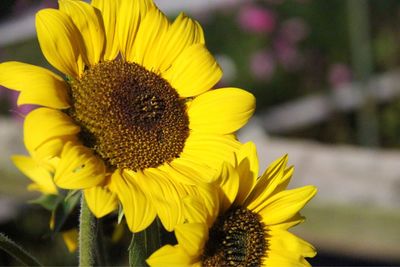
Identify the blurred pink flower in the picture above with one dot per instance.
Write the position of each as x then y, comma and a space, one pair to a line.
294, 30
339, 74
256, 19
262, 65
287, 54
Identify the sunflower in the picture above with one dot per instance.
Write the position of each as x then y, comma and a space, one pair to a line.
251, 228
133, 117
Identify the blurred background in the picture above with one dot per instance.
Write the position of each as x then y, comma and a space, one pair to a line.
327, 81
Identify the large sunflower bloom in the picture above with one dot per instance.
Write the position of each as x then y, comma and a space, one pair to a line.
135, 118
252, 225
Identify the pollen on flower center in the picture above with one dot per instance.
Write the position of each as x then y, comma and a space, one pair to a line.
131, 117
236, 239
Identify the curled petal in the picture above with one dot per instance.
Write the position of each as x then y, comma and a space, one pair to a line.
44, 124
42, 178
79, 168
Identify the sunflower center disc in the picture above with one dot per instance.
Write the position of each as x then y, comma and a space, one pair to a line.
129, 116
236, 239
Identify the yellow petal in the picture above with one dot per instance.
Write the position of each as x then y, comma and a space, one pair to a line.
43, 124
163, 193
194, 71
247, 169
229, 185
51, 149
130, 15
276, 166
194, 210
282, 243
295, 220
221, 111
153, 26
183, 33
280, 182
268, 183
192, 237
60, 41
79, 168
89, 22
38, 174
138, 209
190, 172
100, 200
37, 85
109, 11
201, 203
282, 259
70, 238
210, 149
170, 256
284, 205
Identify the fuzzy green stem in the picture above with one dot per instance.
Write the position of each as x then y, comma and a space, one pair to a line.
87, 225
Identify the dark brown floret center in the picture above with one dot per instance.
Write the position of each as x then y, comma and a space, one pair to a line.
238, 238
130, 117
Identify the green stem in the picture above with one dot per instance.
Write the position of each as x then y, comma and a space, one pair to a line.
17, 252
87, 237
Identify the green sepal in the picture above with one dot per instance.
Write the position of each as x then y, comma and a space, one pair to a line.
70, 194
64, 210
48, 202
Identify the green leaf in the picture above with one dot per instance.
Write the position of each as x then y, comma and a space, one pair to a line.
144, 243
137, 250
64, 209
48, 202
17, 252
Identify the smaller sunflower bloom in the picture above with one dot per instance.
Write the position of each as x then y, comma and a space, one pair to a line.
251, 228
